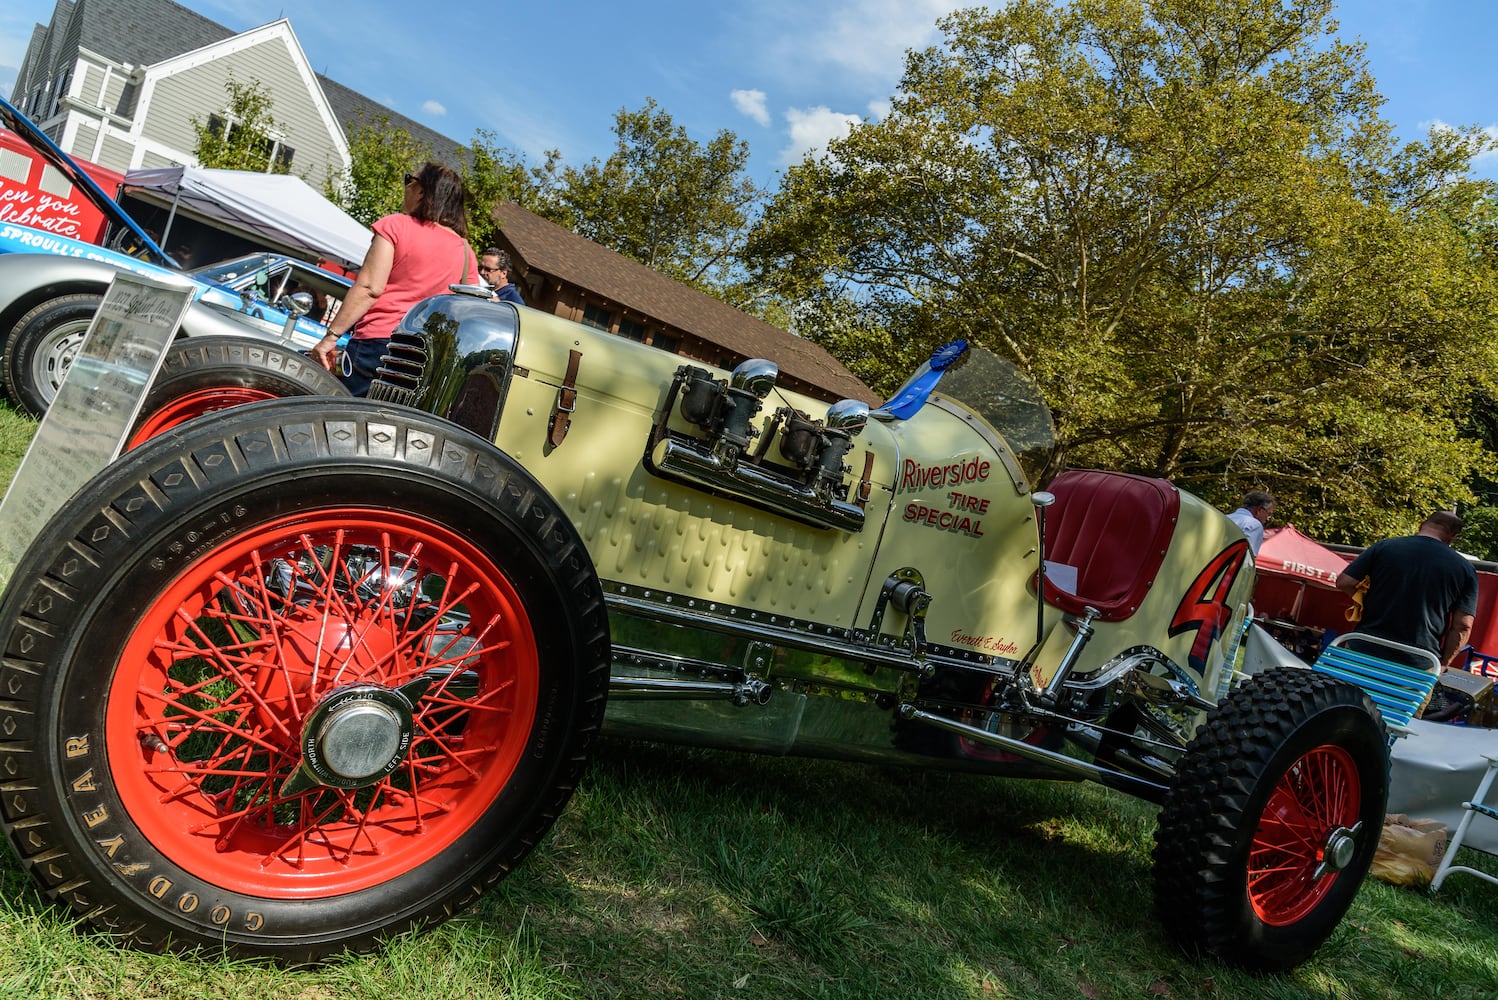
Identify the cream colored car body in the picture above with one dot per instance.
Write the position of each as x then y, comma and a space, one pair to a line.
716, 593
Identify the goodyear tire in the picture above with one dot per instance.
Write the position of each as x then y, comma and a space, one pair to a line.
1272, 821
205, 374
42, 345
296, 677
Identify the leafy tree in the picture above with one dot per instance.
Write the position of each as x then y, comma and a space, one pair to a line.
1187, 221
1480, 532
664, 199
493, 175
380, 155
243, 137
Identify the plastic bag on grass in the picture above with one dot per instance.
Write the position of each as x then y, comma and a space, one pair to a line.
1409, 850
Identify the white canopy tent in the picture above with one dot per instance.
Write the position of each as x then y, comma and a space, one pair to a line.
276, 208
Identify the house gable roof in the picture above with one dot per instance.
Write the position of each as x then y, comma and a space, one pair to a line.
143, 32
544, 246
148, 32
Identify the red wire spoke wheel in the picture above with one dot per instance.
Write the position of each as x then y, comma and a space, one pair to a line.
202, 375
190, 405
209, 710
296, 677
1271, 823
1298, 850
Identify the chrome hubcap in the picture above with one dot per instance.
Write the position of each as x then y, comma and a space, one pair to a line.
1340, 847
356, 736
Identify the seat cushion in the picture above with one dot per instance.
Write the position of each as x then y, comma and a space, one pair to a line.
1114, 529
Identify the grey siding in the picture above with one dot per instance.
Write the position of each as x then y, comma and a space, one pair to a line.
202, 90
116, 154
89, 93
150, 160
85, 137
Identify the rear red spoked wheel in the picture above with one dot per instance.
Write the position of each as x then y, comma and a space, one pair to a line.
324, 704
1303, 839
194, 404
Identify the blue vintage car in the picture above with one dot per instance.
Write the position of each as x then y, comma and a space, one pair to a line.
51, 286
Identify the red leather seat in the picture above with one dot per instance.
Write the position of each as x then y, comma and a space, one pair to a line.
1115, 529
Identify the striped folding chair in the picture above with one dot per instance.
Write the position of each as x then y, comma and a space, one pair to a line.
1399, 691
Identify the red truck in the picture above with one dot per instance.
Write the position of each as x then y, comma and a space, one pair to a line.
34, 193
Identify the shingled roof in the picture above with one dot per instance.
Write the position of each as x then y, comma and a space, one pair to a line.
143, 32
542, 245
352, 108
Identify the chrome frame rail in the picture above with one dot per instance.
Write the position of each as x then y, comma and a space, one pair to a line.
1150, 791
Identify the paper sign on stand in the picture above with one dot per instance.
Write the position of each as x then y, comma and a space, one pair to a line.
86, 426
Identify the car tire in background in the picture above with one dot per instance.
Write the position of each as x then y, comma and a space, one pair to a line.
42, 345
202, 374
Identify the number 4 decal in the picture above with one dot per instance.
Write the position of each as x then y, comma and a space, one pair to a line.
1205, 606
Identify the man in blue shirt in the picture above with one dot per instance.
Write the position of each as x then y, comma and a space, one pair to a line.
494, 268
1257, 506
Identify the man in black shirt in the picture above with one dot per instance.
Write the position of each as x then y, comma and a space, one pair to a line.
1421, 592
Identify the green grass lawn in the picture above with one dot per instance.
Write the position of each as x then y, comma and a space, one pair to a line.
678, 873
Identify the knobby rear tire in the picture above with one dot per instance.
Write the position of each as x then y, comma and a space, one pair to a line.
1278, 768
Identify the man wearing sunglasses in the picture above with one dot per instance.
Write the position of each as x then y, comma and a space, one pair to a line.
494, 268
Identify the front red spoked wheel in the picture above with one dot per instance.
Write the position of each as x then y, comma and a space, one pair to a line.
1305, 837
296, 677
323, 704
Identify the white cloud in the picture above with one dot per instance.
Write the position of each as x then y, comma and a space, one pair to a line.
751, 103
433, 107
863, 39
1489, 156
871, 36
810, 129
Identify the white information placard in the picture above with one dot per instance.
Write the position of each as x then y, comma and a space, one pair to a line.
86, 426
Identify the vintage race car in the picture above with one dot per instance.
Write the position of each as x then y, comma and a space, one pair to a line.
51, 285
295, 676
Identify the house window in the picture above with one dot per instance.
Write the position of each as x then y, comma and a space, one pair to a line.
597, 317
665, 342
275, 154
630, 330
59, 91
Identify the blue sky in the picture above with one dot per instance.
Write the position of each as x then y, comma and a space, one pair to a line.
782, 74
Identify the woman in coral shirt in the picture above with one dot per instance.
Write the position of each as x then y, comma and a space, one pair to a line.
416, 253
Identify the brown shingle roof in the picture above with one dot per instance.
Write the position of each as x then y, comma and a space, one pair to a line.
544, 246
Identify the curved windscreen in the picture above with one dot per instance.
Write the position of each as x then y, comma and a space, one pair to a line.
1001, 394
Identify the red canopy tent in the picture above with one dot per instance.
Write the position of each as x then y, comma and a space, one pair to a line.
1298, 581
1287, 552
